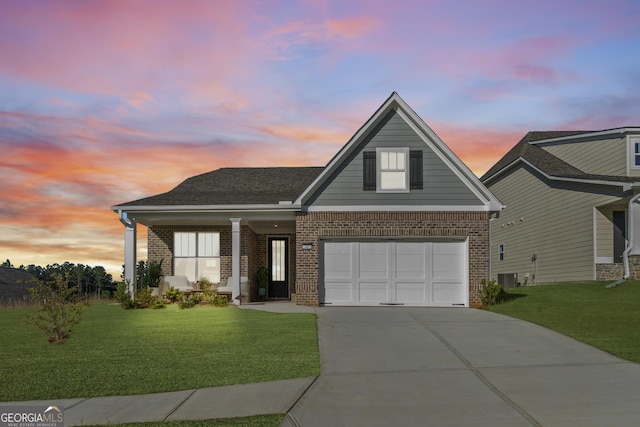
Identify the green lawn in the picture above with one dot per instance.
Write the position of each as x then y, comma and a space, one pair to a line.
118, 352
589, 312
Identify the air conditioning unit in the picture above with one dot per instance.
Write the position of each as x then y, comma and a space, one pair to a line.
508, 280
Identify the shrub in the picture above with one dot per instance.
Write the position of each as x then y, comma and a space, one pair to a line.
158, 303
58, 312
173, 294
123, 296
187, 303
143, 298
490, 292
219, 301
197, 298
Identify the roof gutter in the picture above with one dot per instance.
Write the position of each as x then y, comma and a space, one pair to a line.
212, 208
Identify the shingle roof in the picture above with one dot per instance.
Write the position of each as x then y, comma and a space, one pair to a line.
545, 161
236, 186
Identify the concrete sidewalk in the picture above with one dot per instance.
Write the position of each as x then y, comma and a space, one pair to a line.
273, 397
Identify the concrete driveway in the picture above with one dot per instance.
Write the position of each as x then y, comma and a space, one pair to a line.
437, 366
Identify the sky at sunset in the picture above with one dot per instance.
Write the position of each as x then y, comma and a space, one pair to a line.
104, 102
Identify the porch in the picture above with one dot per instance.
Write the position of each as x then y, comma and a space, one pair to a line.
221, 250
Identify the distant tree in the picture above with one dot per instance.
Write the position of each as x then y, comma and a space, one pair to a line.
6, 264
100, 276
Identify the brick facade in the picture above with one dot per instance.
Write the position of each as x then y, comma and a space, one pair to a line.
312, 226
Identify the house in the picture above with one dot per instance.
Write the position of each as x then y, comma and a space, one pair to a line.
571, 207
394, 218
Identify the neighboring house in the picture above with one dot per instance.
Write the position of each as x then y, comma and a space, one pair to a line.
394, 218
571, 207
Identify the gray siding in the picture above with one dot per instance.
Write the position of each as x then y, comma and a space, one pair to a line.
441, 185
555, 220
599, 156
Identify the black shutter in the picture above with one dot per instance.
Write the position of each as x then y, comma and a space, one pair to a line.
369, 170
415, 170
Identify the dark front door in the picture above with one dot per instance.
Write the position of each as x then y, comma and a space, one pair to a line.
619, 235
278, 267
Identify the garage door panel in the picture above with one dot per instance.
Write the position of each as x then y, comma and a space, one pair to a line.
448, 260
338, 292
337, 260
448, 293
372, 292
411, 292
411, 261
373, 260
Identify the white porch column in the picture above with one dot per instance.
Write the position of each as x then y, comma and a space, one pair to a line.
130, 251
235, 260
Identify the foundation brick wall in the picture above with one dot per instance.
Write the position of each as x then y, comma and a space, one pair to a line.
312, 226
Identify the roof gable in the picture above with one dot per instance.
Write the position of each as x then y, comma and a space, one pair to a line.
395, 106
527, 151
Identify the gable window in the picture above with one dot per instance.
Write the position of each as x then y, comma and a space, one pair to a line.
197, 255
393, 170
501, 252
636, 154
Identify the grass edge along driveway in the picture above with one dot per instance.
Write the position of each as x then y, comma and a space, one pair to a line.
120, 352
587, 311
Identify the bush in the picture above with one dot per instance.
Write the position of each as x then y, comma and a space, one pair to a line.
58, 312
158, 303
143, 298
123, 296
490, 292
187, 303
219, 301
173, 295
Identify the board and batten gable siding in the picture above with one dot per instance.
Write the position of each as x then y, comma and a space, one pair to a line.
599, 156
441, 185
554, 220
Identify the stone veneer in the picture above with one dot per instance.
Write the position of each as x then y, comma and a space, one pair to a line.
615, 271
311, 227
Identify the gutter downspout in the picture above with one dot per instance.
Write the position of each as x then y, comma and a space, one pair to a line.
627, 251
629, 245
130, 238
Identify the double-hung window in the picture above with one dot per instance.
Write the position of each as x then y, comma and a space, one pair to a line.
393, 169
197, 255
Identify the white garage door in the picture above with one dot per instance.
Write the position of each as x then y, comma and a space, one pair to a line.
407, 273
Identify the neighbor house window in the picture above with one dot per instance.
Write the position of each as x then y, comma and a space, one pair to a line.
501, 252
633, 144
197, 255
393, 169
